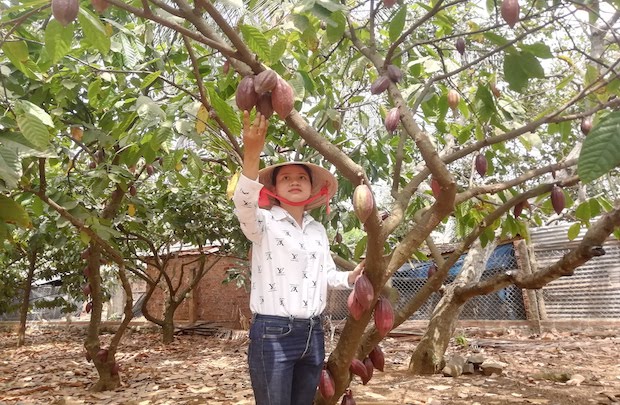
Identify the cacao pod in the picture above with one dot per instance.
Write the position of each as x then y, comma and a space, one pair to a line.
518, 209
453, 99
369, 370
432, 269
510, 12
150, 170
494, 90
380, 85
377, 357
558, 200
86, 289
364, 291
226, 67
246, 97
263, 105
89, 307
389, 3
347, 399
586, 125
85, 254
102, 355
265, 81
384, 316
436, 188
355, 308
460, 45
65, 11
115, 368
392, 119
327, 388
394, 73
481, 164
358, 368
363, 202
100, 5
92, 165
132, 190
86, 271
282, 98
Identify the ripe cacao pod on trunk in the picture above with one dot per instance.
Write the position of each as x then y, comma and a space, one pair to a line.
518, 209
358, 368
327, 387
65, 11
86, 289
460, 45
377, 357
102, 355
263, 105
265, 81
558, 200
481, 164
384, 316
510, 12
246, 96
380, 85
369, 370
363, 202
394, 73
355, 308
115, 368
282, 98
364, 291
586, 125
392, 119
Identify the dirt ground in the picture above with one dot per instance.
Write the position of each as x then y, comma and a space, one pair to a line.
552, 368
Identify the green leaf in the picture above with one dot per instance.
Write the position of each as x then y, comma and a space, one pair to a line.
10, 168
600, 152
36, 111
58, 40
583, 212
538, 49
20, 145
33, 130
256, 41
360, 247
12, 212
149, 79
398, 23
573, 231
278, 49
335, 32
515, 76
94, 31
531, 65
225, 112
130, 56
17, 52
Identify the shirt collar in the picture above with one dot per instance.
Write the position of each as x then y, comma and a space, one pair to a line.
280, 213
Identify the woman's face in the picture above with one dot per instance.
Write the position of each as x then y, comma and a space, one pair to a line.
293, 183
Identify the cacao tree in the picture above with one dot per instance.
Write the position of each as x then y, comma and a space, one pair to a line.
165, 75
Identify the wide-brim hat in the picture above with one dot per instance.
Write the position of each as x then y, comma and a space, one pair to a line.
321, 177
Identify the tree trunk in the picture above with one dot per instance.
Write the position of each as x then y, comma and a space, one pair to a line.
167, 327
23, 310
427, 358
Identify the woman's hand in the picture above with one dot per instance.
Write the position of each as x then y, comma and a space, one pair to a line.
356, 272
253, 143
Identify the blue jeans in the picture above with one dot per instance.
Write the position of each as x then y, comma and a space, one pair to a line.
285, 358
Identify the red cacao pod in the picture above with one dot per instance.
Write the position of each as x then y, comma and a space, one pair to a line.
86, 289
282, 98
100, 5
369, 370
355, 308
481, 164
380, 85
226, 67
150, 170
384, 316
394, 73
132, 190
518, 209
363, 202
392, 119
86, 271
364, 291
377, 357
347, 399
263, 105
65, 11
327, 387
432, 269
586, 125
389, 3
460, 45
102, 355
246, 97
558, 200
358, 368
115, 368
453, 99
85, 253
89, 307
435, 187
265, 81
510, 12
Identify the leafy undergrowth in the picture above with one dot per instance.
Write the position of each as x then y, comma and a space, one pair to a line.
51, 369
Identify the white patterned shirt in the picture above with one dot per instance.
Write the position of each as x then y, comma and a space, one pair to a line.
291, 265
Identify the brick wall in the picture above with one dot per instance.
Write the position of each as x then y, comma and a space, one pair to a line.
211, 300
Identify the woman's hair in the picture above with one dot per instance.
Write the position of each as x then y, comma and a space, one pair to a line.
276, 170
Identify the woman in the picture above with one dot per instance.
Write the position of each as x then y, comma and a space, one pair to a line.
291, 269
